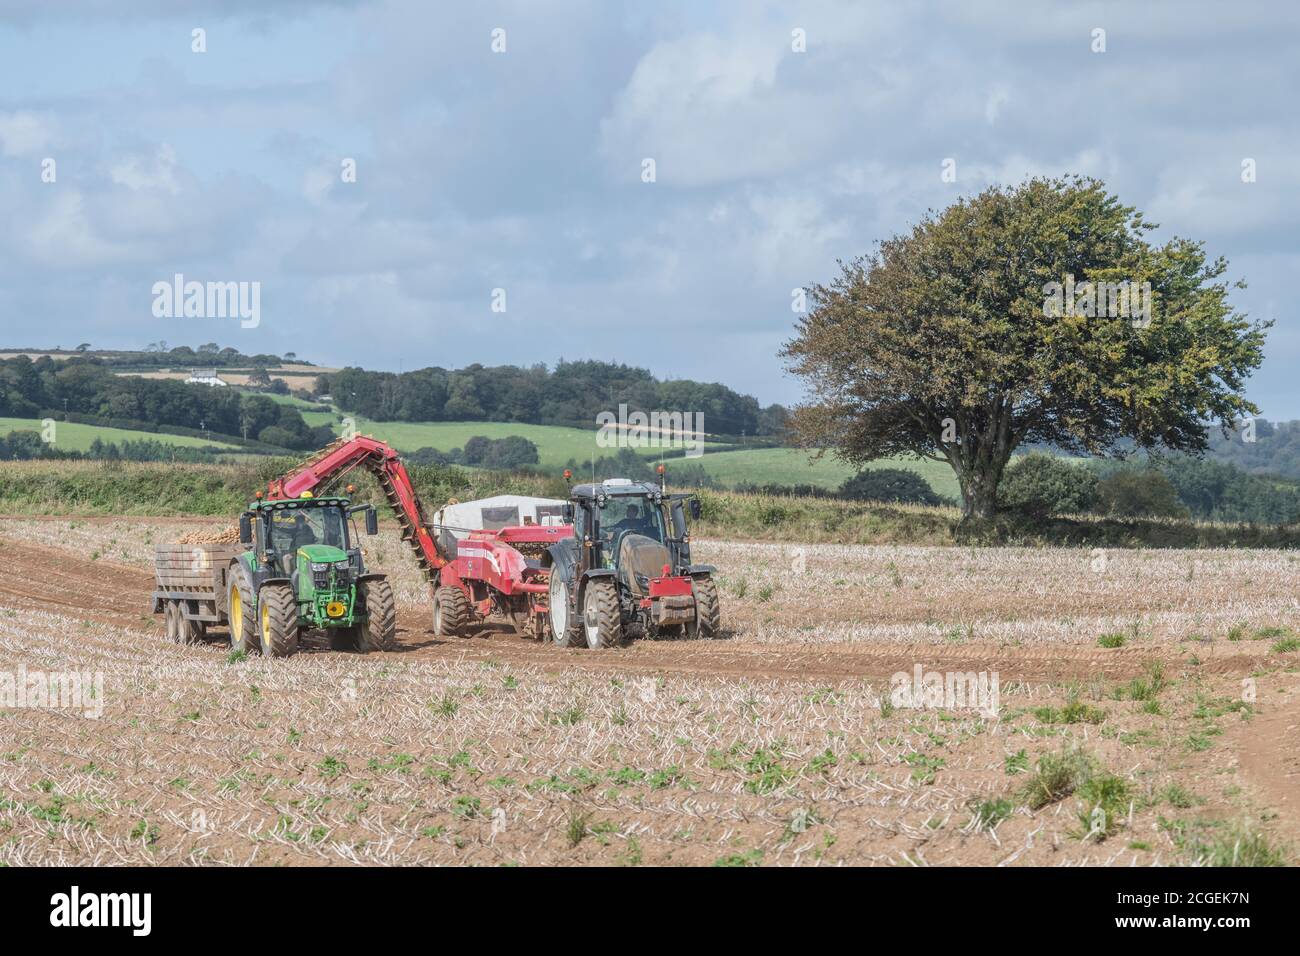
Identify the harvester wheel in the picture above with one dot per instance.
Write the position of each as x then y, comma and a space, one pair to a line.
380, 632
243, 618
601, 619
450, 612
277, 616
171, 615
564, 623
708, 611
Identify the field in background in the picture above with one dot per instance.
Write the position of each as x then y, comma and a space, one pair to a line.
71, 436
556, 445
155, 488
293, 375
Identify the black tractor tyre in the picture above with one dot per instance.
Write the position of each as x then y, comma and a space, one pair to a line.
277, 616
241, 610
563, 618
708, 610
380, 631
451, 613
602, 623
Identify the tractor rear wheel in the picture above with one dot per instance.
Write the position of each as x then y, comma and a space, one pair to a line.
450, 612
601, 618
240, 612
564, 623
708, 611
278, 617
380, 631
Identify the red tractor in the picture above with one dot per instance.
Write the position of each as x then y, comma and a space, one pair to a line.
626, 571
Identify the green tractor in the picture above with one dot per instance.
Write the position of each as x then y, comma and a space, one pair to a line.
303, 571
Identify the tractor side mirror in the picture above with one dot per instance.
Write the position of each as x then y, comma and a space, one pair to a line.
696, 510
372, 521
245, 529
566, 512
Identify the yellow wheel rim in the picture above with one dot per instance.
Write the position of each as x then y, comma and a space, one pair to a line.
266, 627
236, 616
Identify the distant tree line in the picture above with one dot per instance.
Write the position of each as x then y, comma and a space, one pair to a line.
158, 354
1169, 486
512, 453
25, 445
88, 386
1274, 448
571, 394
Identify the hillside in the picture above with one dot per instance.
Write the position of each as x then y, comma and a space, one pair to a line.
71, 436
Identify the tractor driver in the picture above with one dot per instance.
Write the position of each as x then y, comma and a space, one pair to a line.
302, 531
634, 522
292, 536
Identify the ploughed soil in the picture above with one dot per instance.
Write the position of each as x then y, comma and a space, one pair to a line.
776, 743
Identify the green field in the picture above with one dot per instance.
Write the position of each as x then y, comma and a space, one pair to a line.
71, 436
556, 445
792, 466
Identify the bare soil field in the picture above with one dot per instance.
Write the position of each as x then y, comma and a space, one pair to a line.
781, 743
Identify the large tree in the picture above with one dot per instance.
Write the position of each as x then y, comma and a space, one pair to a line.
971, 335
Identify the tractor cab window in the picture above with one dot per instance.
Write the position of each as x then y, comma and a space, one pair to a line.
628, 513
293, 528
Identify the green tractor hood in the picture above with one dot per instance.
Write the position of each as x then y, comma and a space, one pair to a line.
322, 553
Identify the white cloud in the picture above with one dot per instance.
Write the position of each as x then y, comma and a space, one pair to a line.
23, 133
144, 173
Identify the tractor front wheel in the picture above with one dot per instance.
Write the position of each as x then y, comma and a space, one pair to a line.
380, 632
601, 618
243, 620
708, 611
278, 617
450, 612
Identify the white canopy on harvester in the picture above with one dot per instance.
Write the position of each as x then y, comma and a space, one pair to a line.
500, 511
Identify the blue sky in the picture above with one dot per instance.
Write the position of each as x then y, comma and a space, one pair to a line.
522, 170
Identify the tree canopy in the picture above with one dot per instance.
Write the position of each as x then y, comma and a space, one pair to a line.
989, 325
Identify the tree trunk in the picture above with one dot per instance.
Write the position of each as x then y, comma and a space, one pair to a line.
979, 496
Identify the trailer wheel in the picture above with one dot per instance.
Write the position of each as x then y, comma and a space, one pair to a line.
380, 632
450, 612
564, 623
170, 614
277, 615
188, 632
240, 610
601, 619
708, 611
